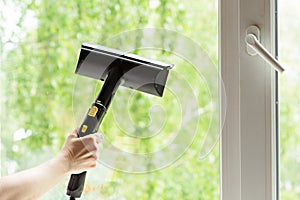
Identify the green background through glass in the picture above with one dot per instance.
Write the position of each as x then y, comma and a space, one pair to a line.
39, 48
289, 55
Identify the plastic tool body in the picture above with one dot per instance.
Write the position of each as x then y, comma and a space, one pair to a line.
115, 68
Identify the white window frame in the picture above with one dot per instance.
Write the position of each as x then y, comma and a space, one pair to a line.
248, 137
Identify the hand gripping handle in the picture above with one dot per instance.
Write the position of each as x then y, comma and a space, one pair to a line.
90, 125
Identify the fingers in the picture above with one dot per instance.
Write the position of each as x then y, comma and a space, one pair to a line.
96, 146
91, 155
98, 137
99, 140
83, 152
91, 162
92, 143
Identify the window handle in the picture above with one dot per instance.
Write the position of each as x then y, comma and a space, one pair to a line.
254, 47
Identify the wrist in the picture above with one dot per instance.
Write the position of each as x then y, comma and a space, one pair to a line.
63, 163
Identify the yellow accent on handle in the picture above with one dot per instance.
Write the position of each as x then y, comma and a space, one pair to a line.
93, 111
84, 128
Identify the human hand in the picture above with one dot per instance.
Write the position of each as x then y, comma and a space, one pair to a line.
82, 153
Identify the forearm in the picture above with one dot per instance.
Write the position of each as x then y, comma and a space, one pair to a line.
77, 155
33, 183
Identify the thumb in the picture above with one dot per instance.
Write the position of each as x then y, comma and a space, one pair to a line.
74, 134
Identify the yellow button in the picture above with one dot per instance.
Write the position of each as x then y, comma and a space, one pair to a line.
83, 129
93, 111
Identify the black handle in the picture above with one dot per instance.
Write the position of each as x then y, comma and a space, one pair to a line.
76, 184
92, 122
90, 125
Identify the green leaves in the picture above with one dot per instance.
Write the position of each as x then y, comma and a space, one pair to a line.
40, 92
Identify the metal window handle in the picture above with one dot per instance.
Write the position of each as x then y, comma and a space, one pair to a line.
255, 47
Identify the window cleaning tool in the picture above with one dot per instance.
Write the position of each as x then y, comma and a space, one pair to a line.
115, 68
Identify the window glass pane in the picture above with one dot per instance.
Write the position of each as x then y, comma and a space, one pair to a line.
43, 100
289, 51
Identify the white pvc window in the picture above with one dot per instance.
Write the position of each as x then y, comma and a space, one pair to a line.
248, 139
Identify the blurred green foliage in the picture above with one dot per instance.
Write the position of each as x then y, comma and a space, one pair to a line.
289, 52
40, 91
